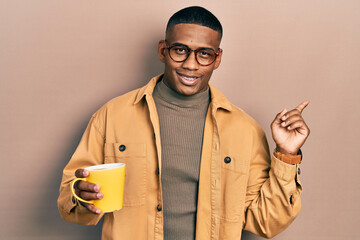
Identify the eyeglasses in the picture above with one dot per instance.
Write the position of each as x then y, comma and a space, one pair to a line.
203, 56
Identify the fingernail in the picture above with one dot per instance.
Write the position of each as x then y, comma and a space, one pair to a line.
283, 117
96, 188
99, 195
98, 211
283, 123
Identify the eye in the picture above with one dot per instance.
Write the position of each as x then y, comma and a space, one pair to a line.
180, 50
205, 53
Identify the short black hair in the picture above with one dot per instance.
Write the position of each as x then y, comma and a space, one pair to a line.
195, 15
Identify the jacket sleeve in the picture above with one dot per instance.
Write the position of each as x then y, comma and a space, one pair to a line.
90, 151
273, 192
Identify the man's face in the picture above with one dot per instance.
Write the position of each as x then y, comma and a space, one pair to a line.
189, 77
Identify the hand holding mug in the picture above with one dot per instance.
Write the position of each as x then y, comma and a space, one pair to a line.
110, 178
87, 191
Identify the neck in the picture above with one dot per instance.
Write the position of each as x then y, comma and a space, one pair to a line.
176, 98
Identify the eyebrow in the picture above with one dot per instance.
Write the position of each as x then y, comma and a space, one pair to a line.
184, 45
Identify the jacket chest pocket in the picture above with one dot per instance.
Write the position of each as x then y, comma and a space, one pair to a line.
233, 189
134, 156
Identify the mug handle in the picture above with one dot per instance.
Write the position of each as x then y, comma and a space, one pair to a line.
74, 194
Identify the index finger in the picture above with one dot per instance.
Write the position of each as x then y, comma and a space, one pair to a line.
81, 173
302, 105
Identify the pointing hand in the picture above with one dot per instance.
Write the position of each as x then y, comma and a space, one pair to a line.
289, 130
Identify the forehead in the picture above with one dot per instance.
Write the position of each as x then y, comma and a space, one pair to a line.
193, 35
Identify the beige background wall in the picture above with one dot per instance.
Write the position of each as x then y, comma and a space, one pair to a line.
60, 60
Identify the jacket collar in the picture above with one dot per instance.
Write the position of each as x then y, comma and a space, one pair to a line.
148, 89
218, 100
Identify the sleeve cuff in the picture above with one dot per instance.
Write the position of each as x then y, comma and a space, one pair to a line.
290, 159
69, 203
284, 170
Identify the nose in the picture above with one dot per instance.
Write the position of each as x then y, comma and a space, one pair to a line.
191, 62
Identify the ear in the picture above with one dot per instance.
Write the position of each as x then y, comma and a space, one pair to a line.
161, 50
218, 59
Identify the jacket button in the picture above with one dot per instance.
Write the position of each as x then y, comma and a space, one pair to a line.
122, 148
227, 160
158, 207
299, 171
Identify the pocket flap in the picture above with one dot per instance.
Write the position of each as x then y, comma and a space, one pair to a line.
125, 150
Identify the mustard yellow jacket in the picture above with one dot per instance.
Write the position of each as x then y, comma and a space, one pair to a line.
239, 187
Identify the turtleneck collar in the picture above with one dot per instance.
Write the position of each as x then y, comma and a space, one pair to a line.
180, 100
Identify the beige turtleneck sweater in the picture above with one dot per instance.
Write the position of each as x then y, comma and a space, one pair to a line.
182, 120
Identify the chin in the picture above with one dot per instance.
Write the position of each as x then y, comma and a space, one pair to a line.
189, 92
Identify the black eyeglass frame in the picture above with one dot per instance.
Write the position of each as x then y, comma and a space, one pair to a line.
189, 50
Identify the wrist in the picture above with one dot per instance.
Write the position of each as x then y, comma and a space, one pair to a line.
287, 152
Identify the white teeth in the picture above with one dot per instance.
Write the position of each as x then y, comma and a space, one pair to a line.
189, 78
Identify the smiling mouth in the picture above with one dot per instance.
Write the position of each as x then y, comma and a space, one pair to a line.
188, 80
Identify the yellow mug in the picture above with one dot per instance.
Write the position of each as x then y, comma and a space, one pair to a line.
111, 178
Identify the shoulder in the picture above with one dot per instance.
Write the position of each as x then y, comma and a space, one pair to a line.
232, 115
246, 118
111, 110
242, 123
132, 98
118, 103
125, 100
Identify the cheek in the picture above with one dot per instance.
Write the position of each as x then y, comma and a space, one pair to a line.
208, 72
169, 66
